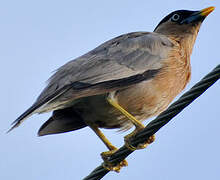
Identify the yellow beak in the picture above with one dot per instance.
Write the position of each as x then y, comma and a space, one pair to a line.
198, 15
205, 12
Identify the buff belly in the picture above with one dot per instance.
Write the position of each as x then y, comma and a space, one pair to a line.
142, 101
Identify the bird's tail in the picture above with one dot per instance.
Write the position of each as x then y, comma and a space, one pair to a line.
38, 104
23, 116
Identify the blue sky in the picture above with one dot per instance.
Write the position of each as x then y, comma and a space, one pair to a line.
39, 36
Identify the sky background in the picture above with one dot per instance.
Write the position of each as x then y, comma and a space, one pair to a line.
37, 37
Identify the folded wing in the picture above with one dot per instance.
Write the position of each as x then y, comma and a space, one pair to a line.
116, 64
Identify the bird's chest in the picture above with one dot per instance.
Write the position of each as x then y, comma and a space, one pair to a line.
151, 97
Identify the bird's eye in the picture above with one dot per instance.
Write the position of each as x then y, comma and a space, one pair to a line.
175, 17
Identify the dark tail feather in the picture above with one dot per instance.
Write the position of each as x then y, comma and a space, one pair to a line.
63, 120
37, 105
22, 117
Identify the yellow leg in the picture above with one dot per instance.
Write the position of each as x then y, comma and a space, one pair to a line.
105, 155
102, 137
114, 103
138, 125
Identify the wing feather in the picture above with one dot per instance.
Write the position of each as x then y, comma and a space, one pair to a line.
119, 58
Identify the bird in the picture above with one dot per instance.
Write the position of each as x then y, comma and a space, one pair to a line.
122, 82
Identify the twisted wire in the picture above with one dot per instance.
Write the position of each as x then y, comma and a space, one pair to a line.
161, 120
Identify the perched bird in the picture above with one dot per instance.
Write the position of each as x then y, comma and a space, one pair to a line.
121, 82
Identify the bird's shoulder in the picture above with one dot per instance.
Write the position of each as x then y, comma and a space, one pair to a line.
147, 40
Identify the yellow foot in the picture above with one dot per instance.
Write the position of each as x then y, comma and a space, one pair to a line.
139, 146
110, 166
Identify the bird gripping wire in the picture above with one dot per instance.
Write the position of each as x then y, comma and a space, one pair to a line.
161, 120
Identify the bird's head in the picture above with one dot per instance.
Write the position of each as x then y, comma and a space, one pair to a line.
182, 22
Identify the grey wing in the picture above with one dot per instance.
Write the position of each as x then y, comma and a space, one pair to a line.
122, 57
115, 64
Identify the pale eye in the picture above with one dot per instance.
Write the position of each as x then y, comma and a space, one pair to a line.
175, 17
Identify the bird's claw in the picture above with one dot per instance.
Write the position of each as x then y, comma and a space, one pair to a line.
110, 166
139, 146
